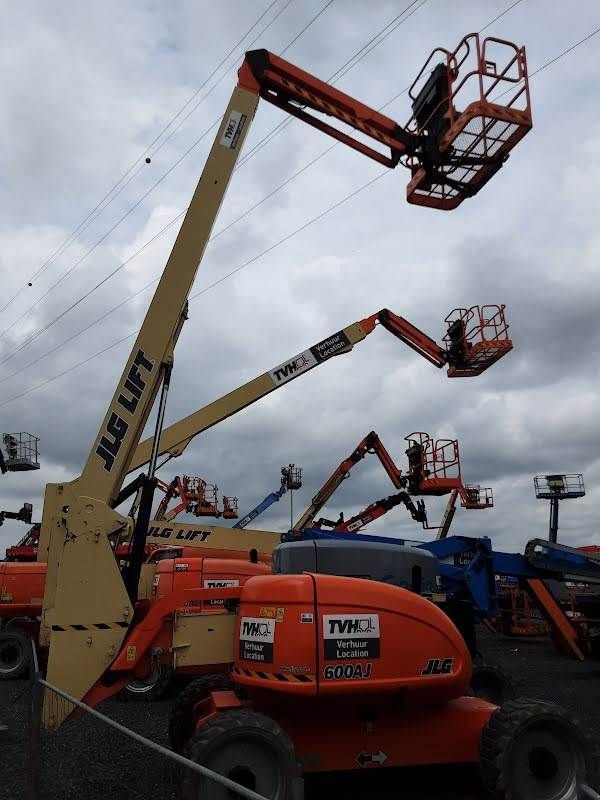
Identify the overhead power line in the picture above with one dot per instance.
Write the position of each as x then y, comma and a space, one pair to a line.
548, 63
500, 15
235, 271
362, 52
348, 65
244, 214
149, 191
73, 367
127, 176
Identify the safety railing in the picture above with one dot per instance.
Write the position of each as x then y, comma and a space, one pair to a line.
473, 132
474, 496
484, 335
439, 458
22, 452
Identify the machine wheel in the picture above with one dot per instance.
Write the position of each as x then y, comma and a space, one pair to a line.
532, 750
15, 651
17, 623
491, 683
594, 643
246, 747
181, 718
151, 687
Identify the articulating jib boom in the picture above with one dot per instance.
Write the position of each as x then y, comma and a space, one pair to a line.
433, 469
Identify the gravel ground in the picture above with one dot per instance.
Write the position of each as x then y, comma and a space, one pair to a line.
86, 761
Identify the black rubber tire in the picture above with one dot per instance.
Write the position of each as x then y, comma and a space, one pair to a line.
15, 654
594, 644
140, 691
17, 623
533, 750
490, 682
181, 720
247, 747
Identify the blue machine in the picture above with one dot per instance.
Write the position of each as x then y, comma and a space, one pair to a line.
274, 497
468, 566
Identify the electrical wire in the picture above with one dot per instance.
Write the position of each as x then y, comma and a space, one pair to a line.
116, 188
552, 61
339, 72
73, 367
34, 335
306, 27
565, 52
248, 211
344, 69
355, 59
235, 271
158, 182
138, 252
500, 15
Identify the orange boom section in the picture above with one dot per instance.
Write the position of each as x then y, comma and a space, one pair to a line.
459, 134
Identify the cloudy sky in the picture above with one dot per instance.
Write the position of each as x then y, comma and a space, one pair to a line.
88, 91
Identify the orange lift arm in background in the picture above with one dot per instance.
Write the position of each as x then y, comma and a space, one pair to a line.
433, 469
472, 497
370, 444
374, 511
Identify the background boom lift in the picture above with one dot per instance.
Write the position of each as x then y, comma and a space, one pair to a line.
22, 515
374, 511
475, 339
195, 497
88, 607
291, 478
487, 331
472, 497
370, 444
380, 507
434, 469
471, 336
268, 501
22, 452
